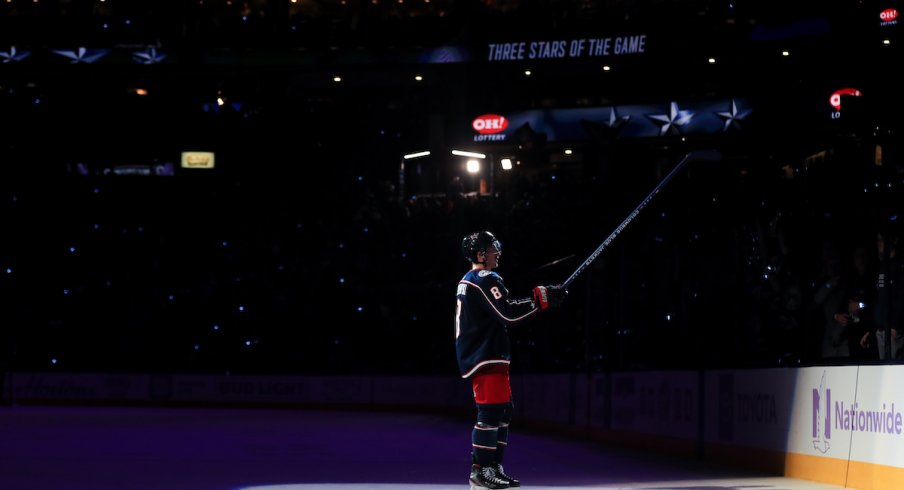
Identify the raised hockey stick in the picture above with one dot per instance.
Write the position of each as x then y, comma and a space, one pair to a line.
694, 156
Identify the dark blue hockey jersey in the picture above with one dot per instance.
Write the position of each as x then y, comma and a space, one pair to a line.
482, 314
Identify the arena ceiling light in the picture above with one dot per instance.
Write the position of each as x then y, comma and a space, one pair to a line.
416, 155
469, 154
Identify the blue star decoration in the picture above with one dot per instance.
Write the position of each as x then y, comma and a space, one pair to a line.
149, 56
13, 55
82, 54
671, 122
732, 118
616, 122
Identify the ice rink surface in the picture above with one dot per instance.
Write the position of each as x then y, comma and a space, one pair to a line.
140, 448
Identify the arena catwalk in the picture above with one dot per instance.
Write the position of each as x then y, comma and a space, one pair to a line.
132, 448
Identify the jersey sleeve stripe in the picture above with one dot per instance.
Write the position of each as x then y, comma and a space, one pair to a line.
493, 305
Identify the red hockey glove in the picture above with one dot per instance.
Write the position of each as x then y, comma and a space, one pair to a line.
546, 296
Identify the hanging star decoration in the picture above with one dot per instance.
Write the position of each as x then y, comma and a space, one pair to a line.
13, 55
82, 54
149, 56
671, 122
616, 122
732, 118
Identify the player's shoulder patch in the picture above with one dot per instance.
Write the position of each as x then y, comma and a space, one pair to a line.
484, 273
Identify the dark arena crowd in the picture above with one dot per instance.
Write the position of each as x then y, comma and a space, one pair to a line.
313, 246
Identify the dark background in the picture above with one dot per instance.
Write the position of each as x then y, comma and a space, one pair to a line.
298, 254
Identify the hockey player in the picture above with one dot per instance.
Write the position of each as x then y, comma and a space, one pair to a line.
483, 313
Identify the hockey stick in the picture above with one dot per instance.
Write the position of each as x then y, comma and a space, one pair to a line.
698, 155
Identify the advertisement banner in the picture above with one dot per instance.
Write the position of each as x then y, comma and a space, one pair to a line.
551, 398
670, 118
660, 403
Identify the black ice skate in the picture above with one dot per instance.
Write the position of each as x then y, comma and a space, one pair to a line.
501, 474
483, 478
